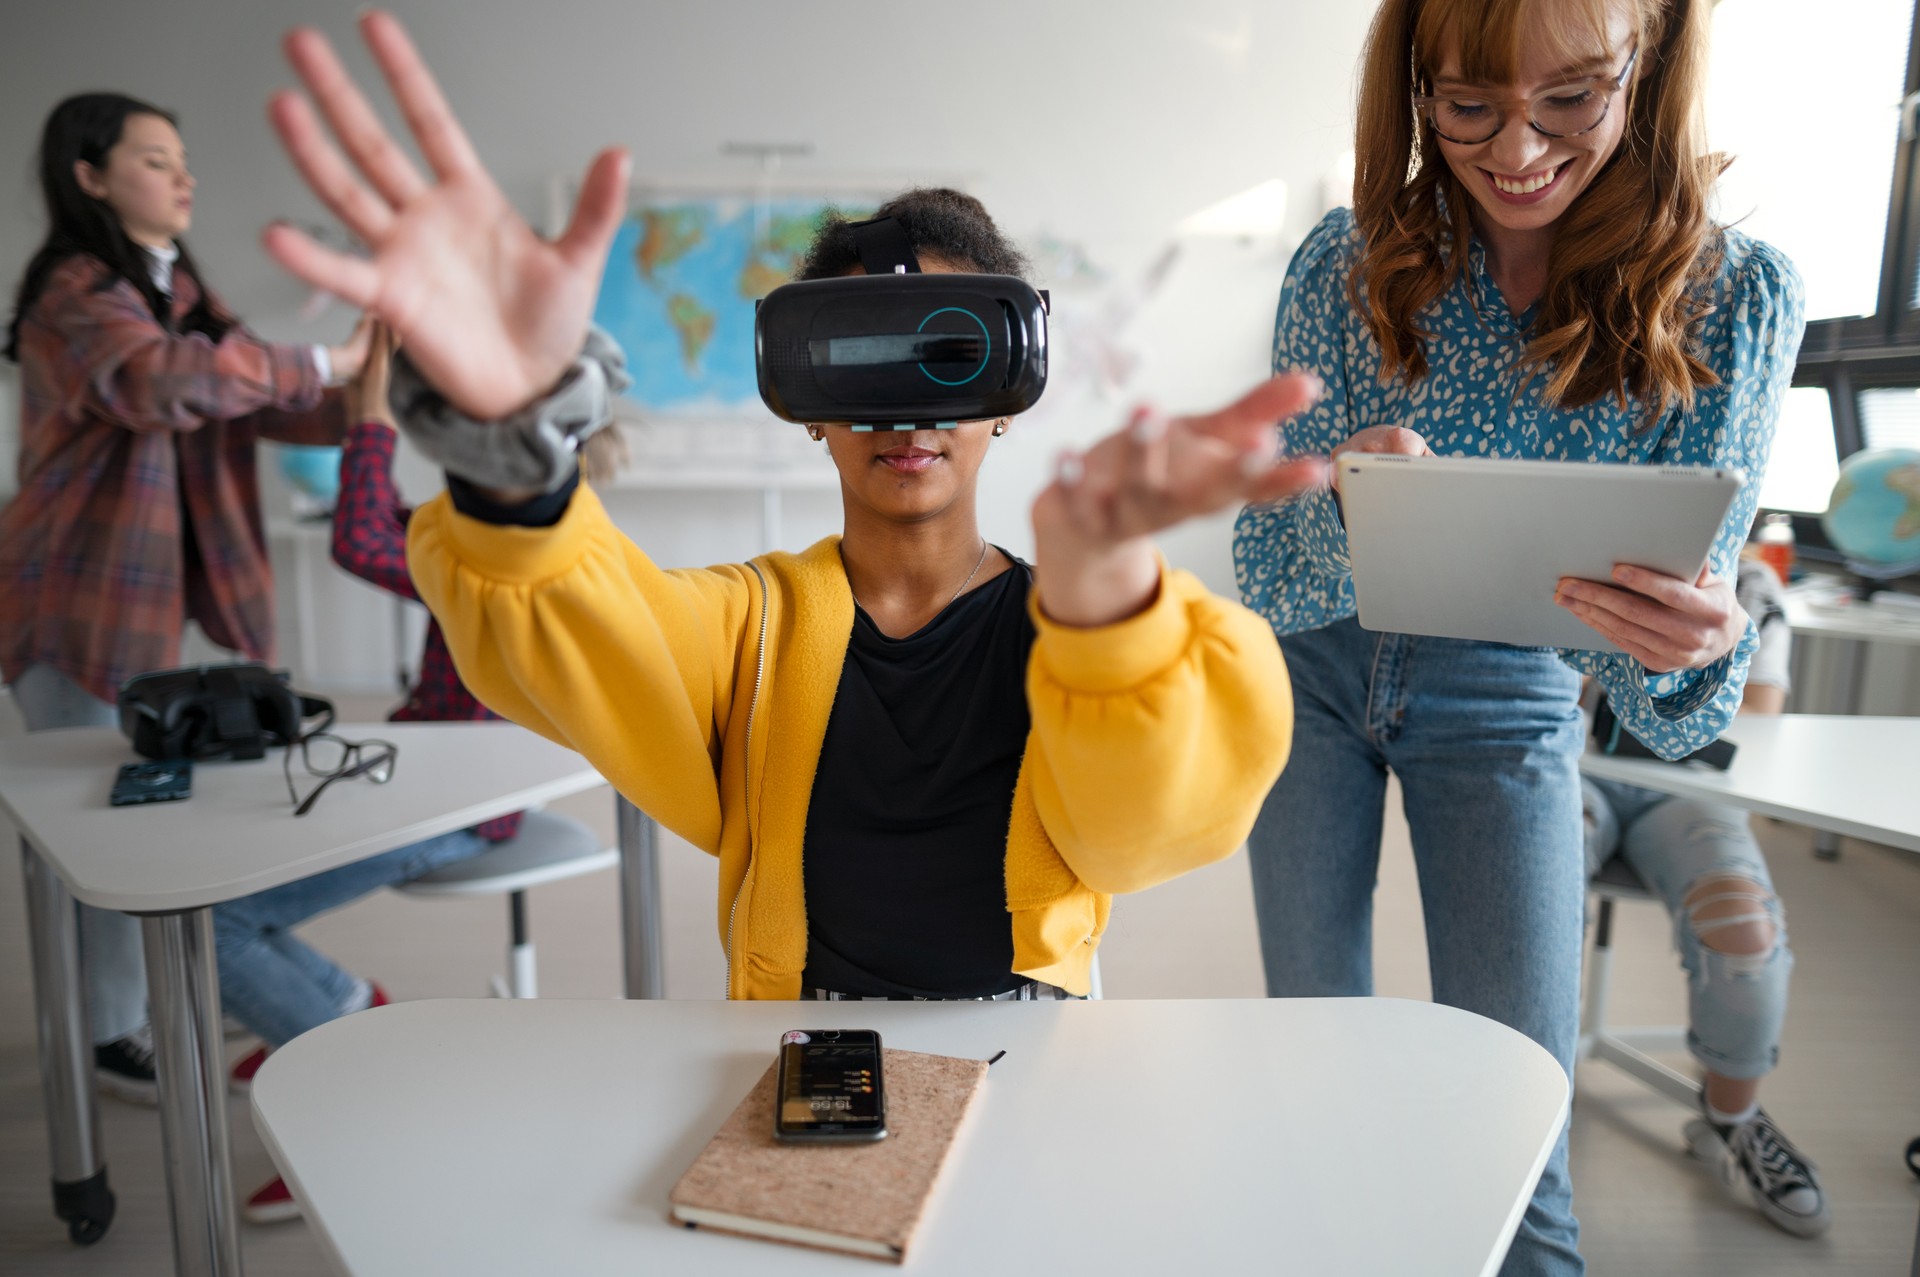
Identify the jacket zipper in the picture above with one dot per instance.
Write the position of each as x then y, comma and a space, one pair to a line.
759, 675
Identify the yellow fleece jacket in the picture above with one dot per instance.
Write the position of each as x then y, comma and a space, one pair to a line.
703, 696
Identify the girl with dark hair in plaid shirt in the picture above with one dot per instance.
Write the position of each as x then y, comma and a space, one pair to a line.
138, 509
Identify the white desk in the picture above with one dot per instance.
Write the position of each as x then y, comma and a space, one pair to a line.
1841, 773
1815, 610
1352, 1136
170, 862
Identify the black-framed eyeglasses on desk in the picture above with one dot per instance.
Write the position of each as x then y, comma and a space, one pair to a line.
334, 758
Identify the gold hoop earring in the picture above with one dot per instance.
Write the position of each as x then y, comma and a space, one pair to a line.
1000, 426
817, 433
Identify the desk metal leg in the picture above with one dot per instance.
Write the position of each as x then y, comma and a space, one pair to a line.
640, 901
1847, 690
80, 1193
184, 990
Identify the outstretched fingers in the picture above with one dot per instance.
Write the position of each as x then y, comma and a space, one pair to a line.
1244, 422
597, 213
325, 171
1284, 479
441, 139
352, 118
354, 280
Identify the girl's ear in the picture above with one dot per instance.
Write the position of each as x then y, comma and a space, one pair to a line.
89, 179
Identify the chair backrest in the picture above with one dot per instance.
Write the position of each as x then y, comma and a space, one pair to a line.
548, 848
1616, 878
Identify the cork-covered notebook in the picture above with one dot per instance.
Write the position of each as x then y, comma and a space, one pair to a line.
865, 1199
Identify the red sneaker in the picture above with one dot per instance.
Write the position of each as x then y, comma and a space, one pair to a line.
240, 1077
273, 1204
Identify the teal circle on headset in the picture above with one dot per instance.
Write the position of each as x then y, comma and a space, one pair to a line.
988, 337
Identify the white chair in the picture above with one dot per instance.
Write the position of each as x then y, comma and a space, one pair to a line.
1626, 1049
548, 848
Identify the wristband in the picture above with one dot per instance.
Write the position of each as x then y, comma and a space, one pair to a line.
534, 447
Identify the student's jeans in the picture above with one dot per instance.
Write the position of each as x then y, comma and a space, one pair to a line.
276, 984
1736, 1003
1485, 740
110, 945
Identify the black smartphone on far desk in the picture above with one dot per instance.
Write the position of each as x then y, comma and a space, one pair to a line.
164, 782
831, 1088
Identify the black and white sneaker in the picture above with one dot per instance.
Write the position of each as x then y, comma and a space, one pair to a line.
1778, 1177
123, 1068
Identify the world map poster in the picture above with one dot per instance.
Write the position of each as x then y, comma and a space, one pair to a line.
679, 288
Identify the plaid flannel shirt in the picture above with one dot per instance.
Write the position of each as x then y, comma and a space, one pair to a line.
370, 541
139, 504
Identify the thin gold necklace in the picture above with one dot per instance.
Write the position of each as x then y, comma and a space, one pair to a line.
956, 594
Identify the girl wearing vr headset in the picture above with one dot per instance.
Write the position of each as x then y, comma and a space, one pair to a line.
967, 755
1530, 270
138, 510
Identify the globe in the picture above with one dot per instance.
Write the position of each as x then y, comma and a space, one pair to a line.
1874, 515
313, 472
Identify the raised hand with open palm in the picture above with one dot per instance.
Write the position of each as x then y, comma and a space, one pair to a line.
489, 312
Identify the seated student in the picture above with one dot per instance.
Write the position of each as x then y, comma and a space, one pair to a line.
271, 981
1702, 860
925, 766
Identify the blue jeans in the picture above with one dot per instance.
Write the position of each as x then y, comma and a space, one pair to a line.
1485, 740
113, 958
1736, 1002
276, 984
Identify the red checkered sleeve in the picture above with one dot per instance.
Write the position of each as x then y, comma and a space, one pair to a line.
370, 541
369, 519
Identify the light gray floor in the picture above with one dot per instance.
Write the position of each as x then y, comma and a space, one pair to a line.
1848, 1088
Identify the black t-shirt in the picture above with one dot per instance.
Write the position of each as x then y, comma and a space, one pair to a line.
906, 843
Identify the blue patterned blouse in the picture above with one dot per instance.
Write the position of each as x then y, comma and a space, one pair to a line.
1291, 558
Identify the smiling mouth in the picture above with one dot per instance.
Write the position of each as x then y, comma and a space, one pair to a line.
1532, 184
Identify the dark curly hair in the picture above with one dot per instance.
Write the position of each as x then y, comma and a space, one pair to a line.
939, 223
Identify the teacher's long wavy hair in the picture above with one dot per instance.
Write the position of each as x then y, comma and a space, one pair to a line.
1627, 275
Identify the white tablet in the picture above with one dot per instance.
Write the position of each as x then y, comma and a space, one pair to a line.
1465, 547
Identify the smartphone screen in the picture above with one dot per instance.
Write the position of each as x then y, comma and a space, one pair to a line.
830, 1086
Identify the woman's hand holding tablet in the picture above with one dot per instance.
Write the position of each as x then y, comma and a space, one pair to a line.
1662, 621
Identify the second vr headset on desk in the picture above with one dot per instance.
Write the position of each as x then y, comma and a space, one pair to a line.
896, 349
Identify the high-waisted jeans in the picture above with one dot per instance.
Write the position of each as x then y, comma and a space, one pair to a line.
1485, 740
274, 982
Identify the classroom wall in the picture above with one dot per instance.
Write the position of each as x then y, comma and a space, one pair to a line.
1102, 124
1097, 123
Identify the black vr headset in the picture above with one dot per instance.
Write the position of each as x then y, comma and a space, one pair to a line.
897, 349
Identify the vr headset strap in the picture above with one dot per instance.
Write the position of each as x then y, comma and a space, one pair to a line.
1617, 740
312, 707
236, 726
884, 247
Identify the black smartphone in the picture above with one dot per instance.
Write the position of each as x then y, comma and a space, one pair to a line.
152, 783
831, 1088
